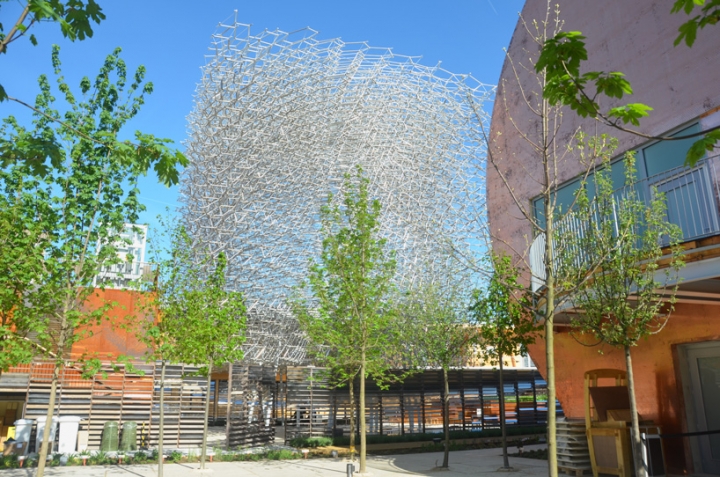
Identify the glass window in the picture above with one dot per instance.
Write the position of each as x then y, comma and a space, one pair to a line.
665, 155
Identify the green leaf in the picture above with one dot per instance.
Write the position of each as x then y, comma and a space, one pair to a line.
565, 51
33, 40
686, 5
3, 94
688, 32
630, 113
701, 147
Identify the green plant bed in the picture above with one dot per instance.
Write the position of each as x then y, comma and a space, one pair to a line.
9, 462
175, 457
312, 442
541, 454
454, 435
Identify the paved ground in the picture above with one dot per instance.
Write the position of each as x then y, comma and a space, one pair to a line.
484, 462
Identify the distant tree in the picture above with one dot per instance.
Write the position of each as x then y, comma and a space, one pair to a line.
505, 324
213, 323
74, 201
535, 125
350, 311
162, 325
620, 246
438, 335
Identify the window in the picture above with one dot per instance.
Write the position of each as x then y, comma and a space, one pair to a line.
652, 160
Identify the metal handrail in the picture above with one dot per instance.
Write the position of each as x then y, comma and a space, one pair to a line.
692, 198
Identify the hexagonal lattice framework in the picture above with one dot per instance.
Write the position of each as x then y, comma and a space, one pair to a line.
280, 117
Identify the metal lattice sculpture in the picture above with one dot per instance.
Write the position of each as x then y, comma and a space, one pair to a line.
280, 117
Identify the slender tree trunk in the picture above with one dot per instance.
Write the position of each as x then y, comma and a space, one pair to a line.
42, 459
352, 417
363, 428
549, 170
161, 425
550, 341
551, 394
636, 442
203, 452
503, 423
446, 420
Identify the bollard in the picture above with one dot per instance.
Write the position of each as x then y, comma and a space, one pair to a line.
350, 470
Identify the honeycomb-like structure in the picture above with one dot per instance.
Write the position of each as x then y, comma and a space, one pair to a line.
280, 117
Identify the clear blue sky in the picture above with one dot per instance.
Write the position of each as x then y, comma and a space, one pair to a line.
171, 38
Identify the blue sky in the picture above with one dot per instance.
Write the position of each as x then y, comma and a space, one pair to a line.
171, 38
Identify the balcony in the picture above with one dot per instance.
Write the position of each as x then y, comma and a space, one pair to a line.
123, 275
692, 198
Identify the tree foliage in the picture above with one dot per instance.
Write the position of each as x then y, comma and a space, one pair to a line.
628, 296
23, 239
506, 324
623, 240
75, 18
709, 14
42, 146
66, 204
562, 57
198, 321
438, 334
535, 124
65, 212
350, 319
501, 311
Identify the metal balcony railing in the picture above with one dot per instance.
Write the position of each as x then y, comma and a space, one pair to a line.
692, 196
122, 275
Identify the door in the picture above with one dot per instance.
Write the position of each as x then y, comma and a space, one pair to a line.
702, 380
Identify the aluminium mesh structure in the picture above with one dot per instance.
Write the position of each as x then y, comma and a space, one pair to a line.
280, 117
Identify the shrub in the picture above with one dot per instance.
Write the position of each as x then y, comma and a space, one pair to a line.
8, 462
175, 457
282, 454
99, 458
311, 442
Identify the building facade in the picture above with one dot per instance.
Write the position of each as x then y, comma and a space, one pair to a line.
678, 370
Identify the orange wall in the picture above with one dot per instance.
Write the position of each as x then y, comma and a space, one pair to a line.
655, 366
111, 338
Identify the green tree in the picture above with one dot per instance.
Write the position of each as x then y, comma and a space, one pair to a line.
351, 283
161, 327
620, 246
213, 320
80, 195
562, 57
505, 325
22, 243
438, 335
538, 134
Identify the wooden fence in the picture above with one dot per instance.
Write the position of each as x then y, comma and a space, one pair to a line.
256, 399
116, 395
